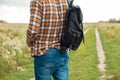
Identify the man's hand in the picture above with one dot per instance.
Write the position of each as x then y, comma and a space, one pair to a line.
29, 43
29, 39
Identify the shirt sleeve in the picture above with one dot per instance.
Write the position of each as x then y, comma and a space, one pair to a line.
35, 20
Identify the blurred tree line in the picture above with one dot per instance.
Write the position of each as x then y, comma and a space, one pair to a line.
2, 21
113, 20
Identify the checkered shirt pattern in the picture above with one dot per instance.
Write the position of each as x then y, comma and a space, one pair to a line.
46, 25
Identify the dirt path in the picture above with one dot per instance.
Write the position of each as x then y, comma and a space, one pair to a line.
32, 79
101, 55
86, 31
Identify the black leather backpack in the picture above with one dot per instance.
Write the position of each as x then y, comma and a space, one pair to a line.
73, 35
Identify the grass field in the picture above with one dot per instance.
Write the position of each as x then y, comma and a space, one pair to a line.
83, 62
16, 64
110, 36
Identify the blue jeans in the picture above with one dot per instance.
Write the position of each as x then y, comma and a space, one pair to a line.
53, 63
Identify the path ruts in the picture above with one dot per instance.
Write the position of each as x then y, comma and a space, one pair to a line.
101, 55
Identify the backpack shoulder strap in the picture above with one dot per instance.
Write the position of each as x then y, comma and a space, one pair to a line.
70, 2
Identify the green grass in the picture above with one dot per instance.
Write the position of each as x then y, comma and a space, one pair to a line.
83, 62
110, 36
24, 74
15, 63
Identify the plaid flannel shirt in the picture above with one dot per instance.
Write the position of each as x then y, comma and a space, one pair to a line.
46, 25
